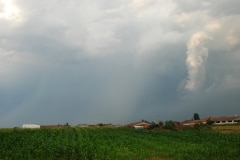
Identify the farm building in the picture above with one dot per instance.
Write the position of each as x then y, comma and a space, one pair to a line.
139, 125
83, 125
30, 126
215, 120
224, 119
191, 122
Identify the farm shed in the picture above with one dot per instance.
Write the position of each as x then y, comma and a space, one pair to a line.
216, 120
30, 126
139, 125
225, 119
192, 122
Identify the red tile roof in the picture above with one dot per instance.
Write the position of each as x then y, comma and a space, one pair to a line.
224, 118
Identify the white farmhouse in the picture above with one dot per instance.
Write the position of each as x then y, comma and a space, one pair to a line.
30, 126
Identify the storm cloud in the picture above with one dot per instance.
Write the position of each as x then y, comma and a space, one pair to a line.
117, 61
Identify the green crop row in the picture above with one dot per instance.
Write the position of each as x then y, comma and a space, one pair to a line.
116, 143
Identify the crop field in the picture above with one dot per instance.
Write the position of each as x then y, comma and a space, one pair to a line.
227, 128
117, 144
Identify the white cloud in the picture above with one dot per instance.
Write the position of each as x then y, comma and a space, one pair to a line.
233, 38
213, 26
141, 3
10, 12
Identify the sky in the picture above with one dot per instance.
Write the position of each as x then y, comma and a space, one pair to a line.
101, 61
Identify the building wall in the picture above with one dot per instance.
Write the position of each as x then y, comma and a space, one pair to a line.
226, 122
30, 126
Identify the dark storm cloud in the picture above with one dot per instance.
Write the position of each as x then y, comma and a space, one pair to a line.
225, 8
119, 61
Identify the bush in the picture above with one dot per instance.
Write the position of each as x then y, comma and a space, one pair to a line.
201, 126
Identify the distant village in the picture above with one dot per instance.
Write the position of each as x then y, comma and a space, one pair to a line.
143, 124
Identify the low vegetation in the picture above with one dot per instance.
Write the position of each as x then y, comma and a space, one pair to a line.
117, 143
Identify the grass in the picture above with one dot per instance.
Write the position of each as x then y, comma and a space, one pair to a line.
117, 143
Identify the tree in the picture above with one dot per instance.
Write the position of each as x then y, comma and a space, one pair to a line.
153, 125
143, 120
196, 116
169, 125
209, 121
160, 123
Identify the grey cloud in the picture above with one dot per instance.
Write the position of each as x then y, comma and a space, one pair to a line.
217, 7
118, 61
225, 8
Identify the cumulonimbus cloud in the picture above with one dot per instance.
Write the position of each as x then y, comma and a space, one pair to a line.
197, 54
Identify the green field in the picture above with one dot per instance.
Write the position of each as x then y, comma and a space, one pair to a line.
116, 143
